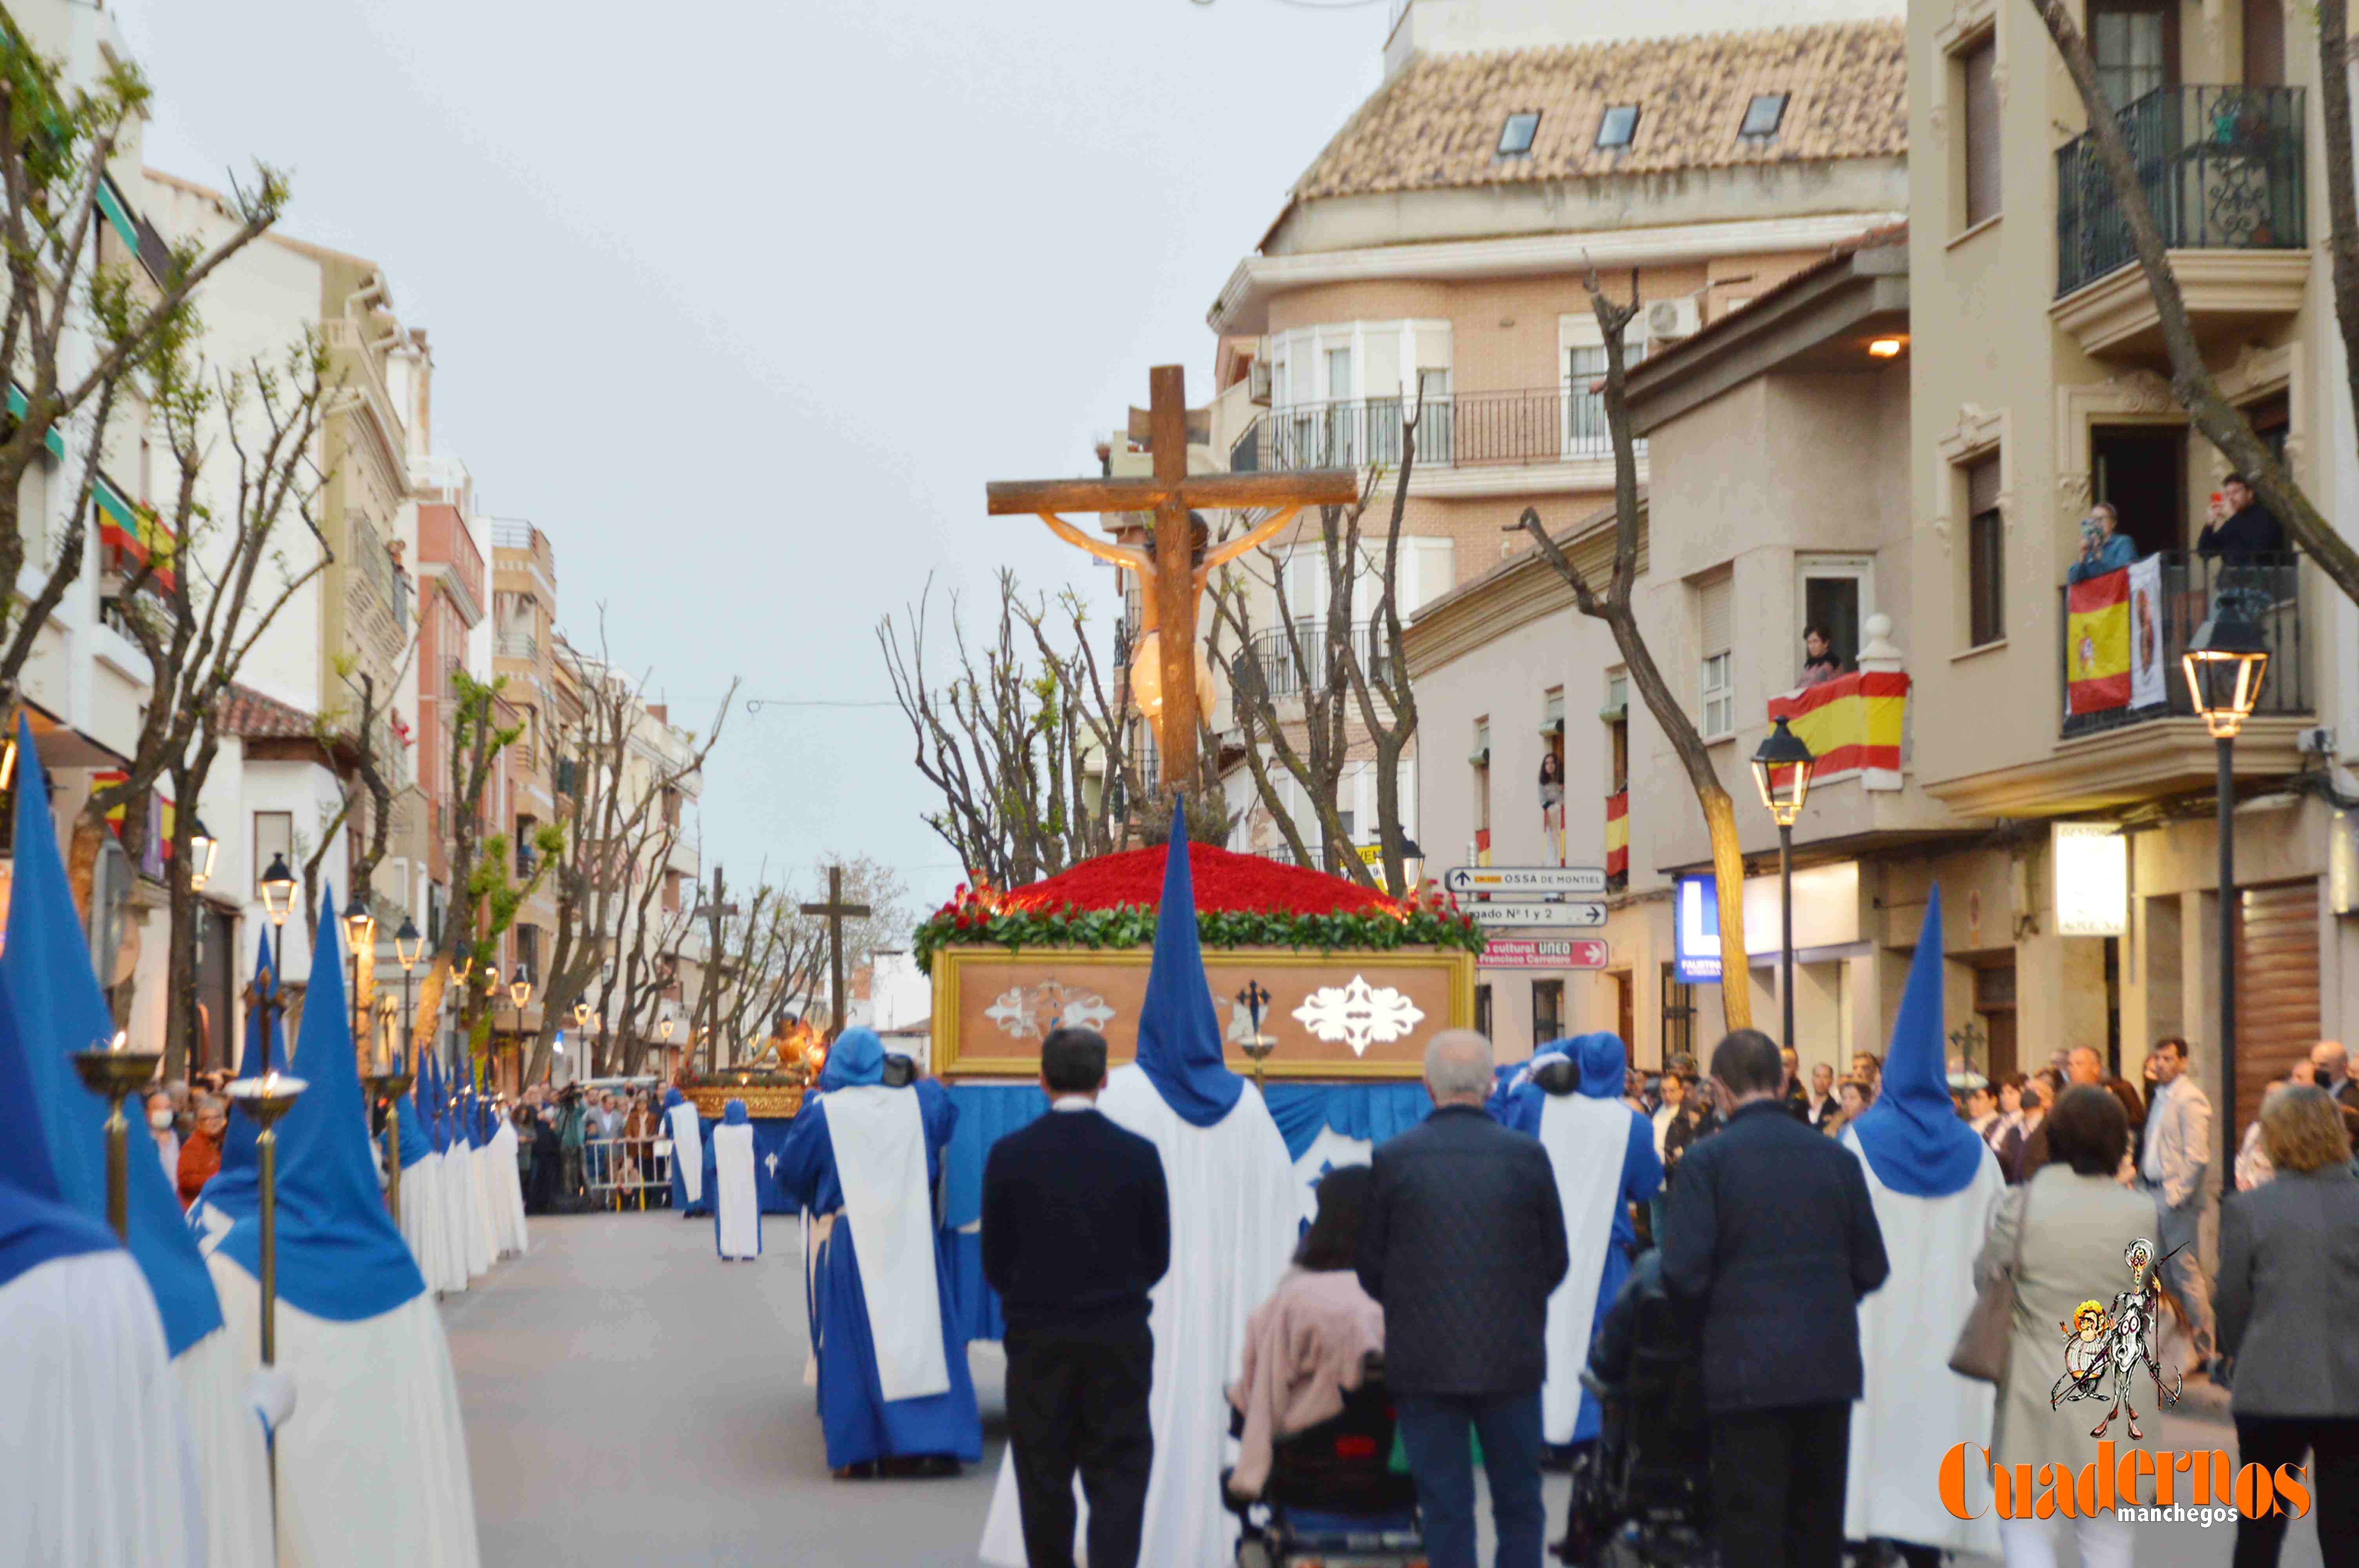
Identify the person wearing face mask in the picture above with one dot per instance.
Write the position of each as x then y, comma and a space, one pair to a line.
160, 1127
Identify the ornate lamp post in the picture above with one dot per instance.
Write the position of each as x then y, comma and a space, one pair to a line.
202, 848
117, 1072
520, 992
360, 935
388, 1084
2226, 662
277, 892
1781, 769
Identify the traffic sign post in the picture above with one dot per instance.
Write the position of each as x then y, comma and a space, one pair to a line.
1527, 953
1575, 916
1526, 881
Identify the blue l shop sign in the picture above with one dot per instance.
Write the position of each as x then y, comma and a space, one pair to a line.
1695, 934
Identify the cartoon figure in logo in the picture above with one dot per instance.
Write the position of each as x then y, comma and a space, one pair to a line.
2121, 1341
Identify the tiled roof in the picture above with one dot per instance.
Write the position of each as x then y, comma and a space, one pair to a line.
245, 712
1437, 123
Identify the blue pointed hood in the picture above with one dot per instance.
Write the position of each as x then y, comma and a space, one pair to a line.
463, 1117
234, 1184
1178, 1034
856, 1058
36, 1225
57, 1009
414, 1145
339, 1255
430, 1100
1911, 1135
672, 1096
1602, 1060
734, 1113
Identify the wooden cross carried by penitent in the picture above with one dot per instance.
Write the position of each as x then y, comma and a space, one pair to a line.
837, 911
1171, 576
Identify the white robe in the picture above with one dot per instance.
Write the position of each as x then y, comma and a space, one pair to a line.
687, 1151
507, 1191
479, 1161
422, 1217
1915, 1409
372, 1461
877, 1137
453, 1247
467, 1210
1233, 1206
93, 1443
737, 1205
1587, 1142
231, 1462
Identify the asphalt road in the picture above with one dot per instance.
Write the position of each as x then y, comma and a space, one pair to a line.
633, 1400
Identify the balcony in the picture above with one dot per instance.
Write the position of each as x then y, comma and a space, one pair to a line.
2267, 589
2224, 170
1270, 662
1464, 430
516, 645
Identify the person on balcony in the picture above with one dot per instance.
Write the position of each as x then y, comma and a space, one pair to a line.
1821, 662
2103, 547
2249, 529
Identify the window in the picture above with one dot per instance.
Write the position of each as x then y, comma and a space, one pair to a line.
1618, 125
1715, 623
1617, 715
1979, 148
1764, 114
1483, 1011
1481, 759
1339, 374
2136, 46
528, 949
525, 827
1548, 1012
1515, 135
1586, 431
1985, 555
1837, 594
273, 834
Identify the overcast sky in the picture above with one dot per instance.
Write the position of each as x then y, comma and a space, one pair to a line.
743, 305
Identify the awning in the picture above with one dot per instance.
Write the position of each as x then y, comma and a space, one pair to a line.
109, 204
50, 438
132, 529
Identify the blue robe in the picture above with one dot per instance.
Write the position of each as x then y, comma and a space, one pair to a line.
859, 1424
1600, 1058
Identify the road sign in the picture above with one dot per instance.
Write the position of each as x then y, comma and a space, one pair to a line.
1525, 881
1526, 952
1526, 916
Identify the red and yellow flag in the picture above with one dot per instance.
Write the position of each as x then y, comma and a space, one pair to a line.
1617, 835
1853, 722
2097, 644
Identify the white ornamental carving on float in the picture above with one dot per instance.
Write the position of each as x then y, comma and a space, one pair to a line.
1359, 1014
1029, 1013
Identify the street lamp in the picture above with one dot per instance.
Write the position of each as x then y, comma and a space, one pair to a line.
202, 848
408, 947
520, 992
2226, 662
1781, 769
360, 932
278, 891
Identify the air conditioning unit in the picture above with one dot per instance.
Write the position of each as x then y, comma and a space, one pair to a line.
1669, 320
1257, 375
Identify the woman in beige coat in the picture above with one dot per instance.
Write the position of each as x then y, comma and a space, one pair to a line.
2082, 1223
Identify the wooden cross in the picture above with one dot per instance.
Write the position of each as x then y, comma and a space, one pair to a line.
1171, 577
837, 913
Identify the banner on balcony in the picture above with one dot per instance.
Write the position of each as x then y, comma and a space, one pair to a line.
2150, 670
1618, 835
1852, 724
2097, 644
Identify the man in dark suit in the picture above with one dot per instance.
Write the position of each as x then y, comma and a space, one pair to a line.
1076, 1230
2330, 1069
1462, 1243
1772, 1237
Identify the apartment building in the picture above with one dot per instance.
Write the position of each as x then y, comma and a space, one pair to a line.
2038, 387
1433, 257
524, 653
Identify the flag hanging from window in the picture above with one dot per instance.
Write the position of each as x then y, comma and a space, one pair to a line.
1618, 835
2097, 644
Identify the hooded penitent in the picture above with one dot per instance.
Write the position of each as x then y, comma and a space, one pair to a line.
856, 1058
1911, 1135
1178, 1034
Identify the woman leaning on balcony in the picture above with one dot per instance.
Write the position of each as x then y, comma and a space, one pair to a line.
2103, 547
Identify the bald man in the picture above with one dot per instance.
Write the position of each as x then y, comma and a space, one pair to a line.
2330, 1068
2084, 1065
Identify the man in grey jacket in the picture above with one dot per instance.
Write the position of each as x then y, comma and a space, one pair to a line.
2173, 1153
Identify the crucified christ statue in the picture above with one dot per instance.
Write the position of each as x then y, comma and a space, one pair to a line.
1172, 574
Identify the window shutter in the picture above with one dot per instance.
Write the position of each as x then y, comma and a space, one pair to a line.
1714, 604
1981, 131
1982, 486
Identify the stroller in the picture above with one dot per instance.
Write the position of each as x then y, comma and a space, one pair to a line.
1641, 1493
1332, 1496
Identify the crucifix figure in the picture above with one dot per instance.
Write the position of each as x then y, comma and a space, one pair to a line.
1173, 569
837, 911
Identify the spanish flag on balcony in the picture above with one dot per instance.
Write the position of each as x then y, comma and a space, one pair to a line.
132, 530
1851, 723
1617, 835
2097, 644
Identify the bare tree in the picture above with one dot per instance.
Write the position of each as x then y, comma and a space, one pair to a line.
613, 820
198, 609
1338, 672
1032, 751
75, 328
2193, 385
636, 987
1615, 609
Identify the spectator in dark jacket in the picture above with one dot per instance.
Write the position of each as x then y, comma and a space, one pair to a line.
1076, 1230
1773, 1238
1463, 1243
2250, 529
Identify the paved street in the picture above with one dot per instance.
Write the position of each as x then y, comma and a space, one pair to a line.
632, 1399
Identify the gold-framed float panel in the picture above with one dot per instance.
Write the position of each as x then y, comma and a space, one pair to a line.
971, 982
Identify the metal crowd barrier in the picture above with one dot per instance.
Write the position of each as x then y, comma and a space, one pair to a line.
622, 1172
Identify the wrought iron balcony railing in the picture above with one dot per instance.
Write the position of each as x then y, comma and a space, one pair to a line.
2221, 167
2265, 589
1270, 662
1464, 429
